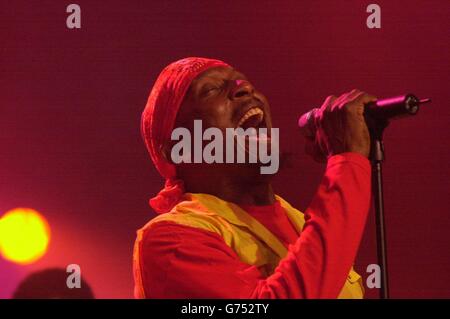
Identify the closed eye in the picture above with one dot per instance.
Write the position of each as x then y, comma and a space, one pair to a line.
210, 89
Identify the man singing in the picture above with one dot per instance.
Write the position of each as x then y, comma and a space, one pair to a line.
221, 231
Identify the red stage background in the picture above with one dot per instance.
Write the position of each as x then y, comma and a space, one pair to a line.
71, 102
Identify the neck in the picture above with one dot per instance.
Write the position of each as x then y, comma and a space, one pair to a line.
254, 191
251, 193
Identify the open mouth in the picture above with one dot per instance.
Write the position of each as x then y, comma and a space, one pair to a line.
254, 117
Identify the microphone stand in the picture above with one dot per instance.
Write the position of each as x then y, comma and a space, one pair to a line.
376, 129
393, 108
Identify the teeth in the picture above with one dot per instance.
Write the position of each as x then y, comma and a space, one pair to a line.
255, 111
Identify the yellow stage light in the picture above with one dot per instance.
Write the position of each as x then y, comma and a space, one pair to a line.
24, 235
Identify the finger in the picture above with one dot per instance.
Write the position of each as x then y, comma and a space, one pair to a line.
328, 102
365, 98
354, 93
360, 101
326, 107
346, 98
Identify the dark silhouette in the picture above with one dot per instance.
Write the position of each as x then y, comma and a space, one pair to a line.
51, 284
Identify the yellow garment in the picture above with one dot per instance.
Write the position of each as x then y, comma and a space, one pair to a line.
252, 242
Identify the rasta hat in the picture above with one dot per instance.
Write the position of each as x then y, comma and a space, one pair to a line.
158, 120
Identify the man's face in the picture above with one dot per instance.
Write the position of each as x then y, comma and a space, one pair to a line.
224, 98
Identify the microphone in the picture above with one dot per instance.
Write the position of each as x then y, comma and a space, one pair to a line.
380, 110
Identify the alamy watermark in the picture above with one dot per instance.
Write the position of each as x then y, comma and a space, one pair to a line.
73, 20
74, 279
374, 19
251, 145
374, 279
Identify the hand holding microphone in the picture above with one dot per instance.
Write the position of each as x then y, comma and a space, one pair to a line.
339, 126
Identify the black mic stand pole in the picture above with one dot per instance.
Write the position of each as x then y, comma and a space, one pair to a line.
377, 157
399, 106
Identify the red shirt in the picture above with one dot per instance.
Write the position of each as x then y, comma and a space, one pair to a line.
183, 262
274, 218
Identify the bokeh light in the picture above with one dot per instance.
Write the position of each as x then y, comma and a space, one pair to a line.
24, 235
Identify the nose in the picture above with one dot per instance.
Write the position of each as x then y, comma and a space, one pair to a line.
242, 88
